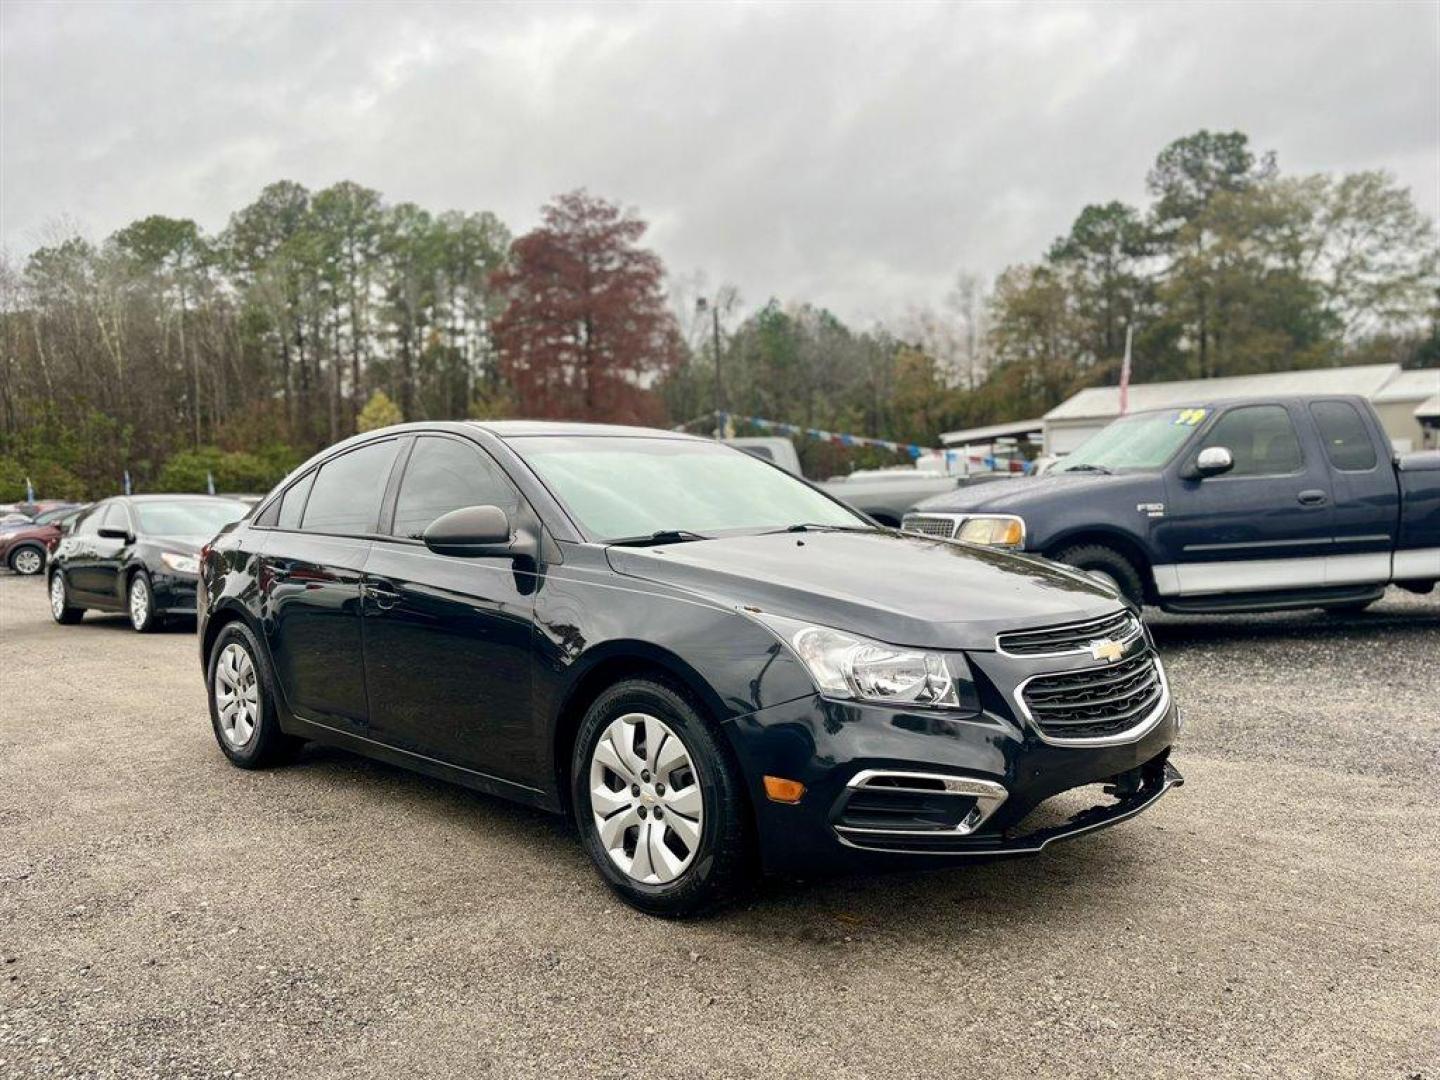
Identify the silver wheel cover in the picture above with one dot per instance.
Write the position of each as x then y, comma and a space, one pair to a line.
645, 798
57, 595
27, 561
237, 695
139, 601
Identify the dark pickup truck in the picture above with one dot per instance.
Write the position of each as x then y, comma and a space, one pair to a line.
1239, 505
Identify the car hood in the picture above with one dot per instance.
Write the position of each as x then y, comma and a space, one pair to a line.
1011, 496
902, 589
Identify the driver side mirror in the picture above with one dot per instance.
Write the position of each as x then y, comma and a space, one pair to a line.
1212, 461
115, 534
477, 530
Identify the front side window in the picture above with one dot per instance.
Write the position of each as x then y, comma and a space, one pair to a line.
623, 486
444, 475
189, 517
1347, 442
346, 495
1140, 441
1261, 438
116, 517
89, 523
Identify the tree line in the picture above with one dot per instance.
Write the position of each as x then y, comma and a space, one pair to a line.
178, 356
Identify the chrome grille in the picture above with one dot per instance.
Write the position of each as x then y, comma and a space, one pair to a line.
1095, 703
1069, 638
939, 525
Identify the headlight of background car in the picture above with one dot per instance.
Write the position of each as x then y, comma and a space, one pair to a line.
1006, 531
180, 564
849, 666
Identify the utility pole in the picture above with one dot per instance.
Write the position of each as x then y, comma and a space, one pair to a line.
700, 305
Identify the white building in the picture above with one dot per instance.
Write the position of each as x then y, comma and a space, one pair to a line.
1398, 397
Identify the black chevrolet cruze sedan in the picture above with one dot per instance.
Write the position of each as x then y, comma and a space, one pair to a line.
714, 667
138, 554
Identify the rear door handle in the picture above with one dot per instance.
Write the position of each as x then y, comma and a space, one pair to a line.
382, 593
1314, 497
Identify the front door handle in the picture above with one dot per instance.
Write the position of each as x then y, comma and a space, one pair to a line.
1314, 497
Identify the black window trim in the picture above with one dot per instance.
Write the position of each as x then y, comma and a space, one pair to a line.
314, 471
1199, 444
1365, 427
392, 493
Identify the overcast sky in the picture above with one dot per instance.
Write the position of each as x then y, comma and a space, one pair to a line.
850, 155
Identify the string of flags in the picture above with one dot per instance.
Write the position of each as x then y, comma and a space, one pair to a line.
913, 450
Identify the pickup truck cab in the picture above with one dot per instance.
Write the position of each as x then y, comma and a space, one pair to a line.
1250, 504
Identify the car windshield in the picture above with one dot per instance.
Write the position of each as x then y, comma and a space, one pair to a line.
625, 486
187, 518
1143, 441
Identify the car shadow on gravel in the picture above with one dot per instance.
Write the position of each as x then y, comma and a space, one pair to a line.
1003, 894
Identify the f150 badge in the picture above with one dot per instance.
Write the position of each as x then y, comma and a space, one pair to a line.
1151, 509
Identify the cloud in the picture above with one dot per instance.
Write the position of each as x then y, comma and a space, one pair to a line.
852, 155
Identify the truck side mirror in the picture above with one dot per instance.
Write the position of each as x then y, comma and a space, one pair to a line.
1213, 461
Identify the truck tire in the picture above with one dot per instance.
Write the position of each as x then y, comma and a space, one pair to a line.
1109, 566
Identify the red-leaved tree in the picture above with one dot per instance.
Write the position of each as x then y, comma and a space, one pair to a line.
586, 333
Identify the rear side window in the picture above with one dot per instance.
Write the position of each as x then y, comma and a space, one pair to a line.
1261, 438
292, 503
444, 475
1347, 441
347, 491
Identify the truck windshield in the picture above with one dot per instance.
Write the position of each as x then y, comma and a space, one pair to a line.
1142, 441
622, 486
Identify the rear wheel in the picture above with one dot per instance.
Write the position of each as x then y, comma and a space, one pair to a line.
660, 807
1107, 566
242, 702
27, 560
60, 609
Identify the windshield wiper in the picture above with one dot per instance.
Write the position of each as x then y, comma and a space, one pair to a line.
1087, 467
811, 526
662, 536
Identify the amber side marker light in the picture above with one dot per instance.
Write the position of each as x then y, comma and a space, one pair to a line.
778, 789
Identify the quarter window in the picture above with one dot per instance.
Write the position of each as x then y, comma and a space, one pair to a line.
346, 495
292, 503
444, 475
1347, 442
1261, 438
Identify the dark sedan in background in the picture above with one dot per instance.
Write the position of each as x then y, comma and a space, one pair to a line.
136, 554
704, 659
24, 548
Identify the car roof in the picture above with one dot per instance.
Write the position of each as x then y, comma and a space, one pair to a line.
510, 429
179, 496
1252, 399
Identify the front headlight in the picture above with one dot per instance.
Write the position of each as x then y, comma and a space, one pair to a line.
848, 666
996, 530
180, 564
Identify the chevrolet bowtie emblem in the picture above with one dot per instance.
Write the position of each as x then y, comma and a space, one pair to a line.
1105, 649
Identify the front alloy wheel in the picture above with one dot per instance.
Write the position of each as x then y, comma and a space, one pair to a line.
142, 603
646, 799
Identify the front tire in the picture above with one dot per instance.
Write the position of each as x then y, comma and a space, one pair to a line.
60, 609
660, 808
28, 560
1107, 566
140, 602
242, 702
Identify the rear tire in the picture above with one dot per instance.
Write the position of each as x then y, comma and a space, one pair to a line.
241, 690
654, 774
1108, 566
60, 609
27, 559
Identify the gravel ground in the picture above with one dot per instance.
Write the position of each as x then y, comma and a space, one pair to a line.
162, 913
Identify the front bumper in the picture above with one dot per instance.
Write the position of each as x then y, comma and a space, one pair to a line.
1001, 769
174, 593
